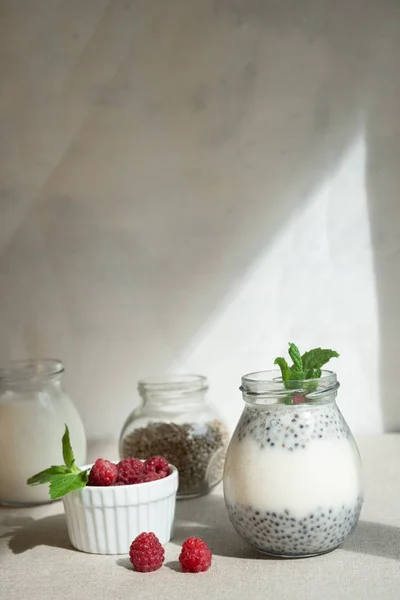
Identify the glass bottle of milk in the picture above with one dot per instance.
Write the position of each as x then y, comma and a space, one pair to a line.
33, 412
292, 479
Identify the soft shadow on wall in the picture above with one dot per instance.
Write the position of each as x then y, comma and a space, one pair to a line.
162, 150
383, 185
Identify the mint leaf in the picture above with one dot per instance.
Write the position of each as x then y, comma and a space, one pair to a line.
296, 375
313, 373
314, 359
295, 372
68, 454
62, 484
305, 369
62, 478
284, 367
294, 354
46, 475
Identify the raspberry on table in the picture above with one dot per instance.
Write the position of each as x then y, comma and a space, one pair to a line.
130, 470
156, 463
195, 556
103, 472
146, 553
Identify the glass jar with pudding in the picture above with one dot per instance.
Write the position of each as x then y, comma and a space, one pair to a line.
292, 479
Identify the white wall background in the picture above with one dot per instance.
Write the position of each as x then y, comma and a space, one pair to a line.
189, 185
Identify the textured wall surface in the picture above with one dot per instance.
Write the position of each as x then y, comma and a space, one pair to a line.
188, 185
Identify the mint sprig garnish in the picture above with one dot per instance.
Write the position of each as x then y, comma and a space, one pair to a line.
68, 455
314, 359
61, 485
297, 368
305, 367
284, 367
62, 478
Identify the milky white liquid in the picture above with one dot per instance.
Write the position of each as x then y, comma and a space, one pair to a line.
324, 474
30, 441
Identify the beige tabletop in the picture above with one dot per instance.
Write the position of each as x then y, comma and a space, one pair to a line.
38, 562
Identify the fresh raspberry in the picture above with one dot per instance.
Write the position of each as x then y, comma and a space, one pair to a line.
146, 553
130, 470
195, 556
151, 476
103, 472
299, 399
156, 463
151, 470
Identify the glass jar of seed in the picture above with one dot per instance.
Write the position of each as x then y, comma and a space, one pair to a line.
175, 421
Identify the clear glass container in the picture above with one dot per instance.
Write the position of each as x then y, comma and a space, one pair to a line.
33, 412
292, 480
175, 421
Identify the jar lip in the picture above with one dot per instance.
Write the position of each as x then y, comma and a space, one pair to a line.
175, 382
30, 369
270, 383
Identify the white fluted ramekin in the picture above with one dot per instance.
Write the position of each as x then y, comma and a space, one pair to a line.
105, 520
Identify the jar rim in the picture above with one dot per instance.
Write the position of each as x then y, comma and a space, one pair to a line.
270, 384
30, 369
175, 382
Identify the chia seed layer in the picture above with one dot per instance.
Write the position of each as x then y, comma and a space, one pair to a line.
279, 533
292, 428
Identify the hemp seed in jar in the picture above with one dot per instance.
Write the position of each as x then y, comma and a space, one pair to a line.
175, 421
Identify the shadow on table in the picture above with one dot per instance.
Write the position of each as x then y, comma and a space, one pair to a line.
375, 539
212, 525
125, 563
27, 533
215, 528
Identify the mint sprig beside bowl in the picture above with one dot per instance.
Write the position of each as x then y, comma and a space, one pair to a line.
305, 370
62, 478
